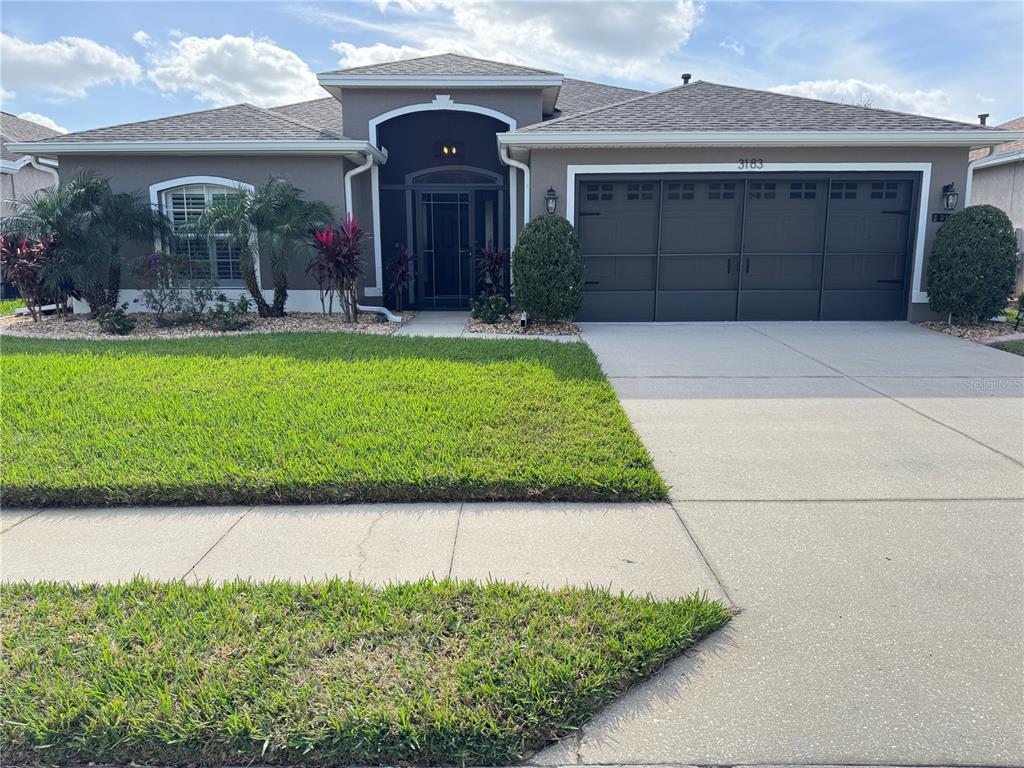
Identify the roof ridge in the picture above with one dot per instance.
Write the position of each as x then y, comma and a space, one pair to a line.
299, 103
288, 118
586, 112
842, 104
355, 70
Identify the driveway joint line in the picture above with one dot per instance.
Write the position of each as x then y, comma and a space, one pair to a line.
218, 541
847, 500
15, 525
704, 557
893, 399
455, 541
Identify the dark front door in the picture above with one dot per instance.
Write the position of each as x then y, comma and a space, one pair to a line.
448, 277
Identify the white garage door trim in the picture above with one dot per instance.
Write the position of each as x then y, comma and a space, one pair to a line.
917, 296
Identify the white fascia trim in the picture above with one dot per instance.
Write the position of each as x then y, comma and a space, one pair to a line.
440, 102
440, 81
13, 166
917, 296
181, 181
327, 147
1008, 157
970, 138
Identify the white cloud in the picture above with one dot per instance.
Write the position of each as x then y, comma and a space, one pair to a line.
628, 41
142, 38
67, 67
229, 69
734, 45
35, 117
936, 102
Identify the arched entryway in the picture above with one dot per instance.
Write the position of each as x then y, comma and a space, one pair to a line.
443, 196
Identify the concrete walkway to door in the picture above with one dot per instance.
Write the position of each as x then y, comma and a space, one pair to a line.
857, 489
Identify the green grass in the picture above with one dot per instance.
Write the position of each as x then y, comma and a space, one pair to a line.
312, 417
320, 674
8, 307
1016, 347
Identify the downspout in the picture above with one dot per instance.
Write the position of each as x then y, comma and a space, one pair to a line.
970, 174
387, 313
507, 160
35, 163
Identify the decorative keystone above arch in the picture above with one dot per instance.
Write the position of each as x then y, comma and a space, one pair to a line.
440, 101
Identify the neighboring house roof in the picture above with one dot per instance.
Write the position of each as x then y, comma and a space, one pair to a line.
704, 106
1015, 148
578, 96
239, 122
13, 128
443, 64
322, 113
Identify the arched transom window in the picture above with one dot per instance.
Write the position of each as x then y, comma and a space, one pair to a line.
215, 257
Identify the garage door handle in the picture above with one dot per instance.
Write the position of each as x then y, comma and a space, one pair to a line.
898, 213
747, 268
590, 213
728, 266
591, 282
897, 280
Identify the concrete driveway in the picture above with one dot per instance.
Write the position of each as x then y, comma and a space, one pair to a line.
857, 489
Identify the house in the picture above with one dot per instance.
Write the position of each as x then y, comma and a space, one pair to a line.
699, 202
18, 175
997, 175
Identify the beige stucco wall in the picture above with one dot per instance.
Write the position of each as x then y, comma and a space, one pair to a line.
321, 178
1003, 187
24, 182
549, 167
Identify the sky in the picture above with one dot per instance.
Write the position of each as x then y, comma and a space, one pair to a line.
87, 64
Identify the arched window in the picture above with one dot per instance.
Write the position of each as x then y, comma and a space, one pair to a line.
215, 257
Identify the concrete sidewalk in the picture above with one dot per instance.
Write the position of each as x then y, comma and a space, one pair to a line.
636, 548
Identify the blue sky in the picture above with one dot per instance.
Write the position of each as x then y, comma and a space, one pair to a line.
82, 65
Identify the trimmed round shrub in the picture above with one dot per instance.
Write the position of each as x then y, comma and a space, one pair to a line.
973, 264
547, 269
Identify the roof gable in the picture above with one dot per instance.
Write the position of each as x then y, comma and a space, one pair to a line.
704, 106
445, 64
13, 128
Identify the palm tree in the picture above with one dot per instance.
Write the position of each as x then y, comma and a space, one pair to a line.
272, 220
86, 222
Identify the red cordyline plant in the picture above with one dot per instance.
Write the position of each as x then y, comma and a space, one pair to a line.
338, 265
23, 262
398, 273
492, 263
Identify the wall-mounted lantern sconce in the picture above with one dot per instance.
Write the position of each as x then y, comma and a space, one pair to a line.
551, 200
950, 197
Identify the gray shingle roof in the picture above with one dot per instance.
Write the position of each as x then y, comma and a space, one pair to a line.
582, 95
704, 106
320, 113
1007, 147
13, 128
239, 122
443, 64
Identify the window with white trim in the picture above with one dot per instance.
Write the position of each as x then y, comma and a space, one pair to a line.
215, 257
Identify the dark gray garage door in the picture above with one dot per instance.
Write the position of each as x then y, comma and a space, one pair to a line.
764, 248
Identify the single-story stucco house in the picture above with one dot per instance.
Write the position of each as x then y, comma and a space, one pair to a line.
699, 202
997, 175
19, 175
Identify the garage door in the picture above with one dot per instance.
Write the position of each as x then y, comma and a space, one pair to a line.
688, 248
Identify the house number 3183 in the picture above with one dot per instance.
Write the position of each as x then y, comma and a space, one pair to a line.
751, 164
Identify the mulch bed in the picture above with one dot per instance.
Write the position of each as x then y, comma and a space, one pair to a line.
81, 327
510, 326
979, 332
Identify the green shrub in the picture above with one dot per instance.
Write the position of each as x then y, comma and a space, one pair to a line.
489, 308
973, 264
115, 320
547, 269
227, 315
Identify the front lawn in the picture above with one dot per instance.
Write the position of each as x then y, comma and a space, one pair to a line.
330, 673
1016, 347
312, 418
